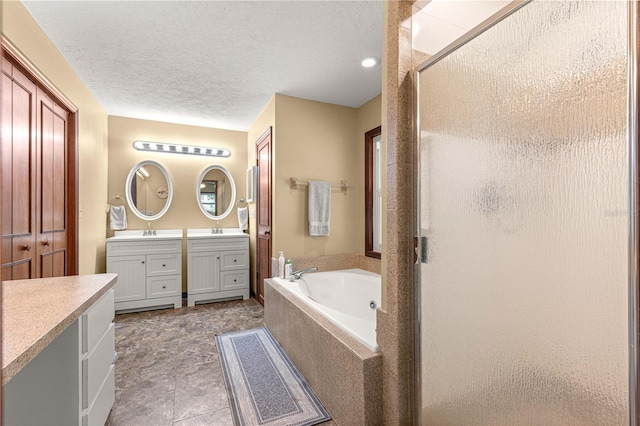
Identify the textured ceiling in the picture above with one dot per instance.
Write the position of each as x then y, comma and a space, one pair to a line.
216, 63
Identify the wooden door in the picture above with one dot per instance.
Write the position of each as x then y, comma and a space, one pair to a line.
263, 219
52, 188
18, 174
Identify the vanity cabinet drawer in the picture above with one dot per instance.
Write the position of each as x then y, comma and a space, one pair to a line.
99, 410
234, 280
122, 248
217, 244
96, 320
163, 264
164, 286
95, 366
230, 260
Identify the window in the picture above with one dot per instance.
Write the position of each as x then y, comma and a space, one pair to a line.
373, 192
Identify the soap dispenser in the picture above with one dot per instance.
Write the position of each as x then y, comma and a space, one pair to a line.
281, 265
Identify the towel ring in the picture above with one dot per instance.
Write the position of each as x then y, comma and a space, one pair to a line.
241, 201
117, 197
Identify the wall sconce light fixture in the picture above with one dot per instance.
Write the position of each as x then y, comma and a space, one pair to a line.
173, 148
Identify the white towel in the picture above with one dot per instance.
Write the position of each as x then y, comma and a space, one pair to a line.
243, 218
117, 218
319, 208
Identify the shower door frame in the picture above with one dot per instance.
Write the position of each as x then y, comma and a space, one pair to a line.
633, 159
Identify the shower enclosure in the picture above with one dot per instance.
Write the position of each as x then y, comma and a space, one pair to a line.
526, 177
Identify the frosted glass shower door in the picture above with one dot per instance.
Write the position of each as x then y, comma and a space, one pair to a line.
523, 199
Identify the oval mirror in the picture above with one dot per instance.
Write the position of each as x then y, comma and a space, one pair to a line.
216, 192
149, 190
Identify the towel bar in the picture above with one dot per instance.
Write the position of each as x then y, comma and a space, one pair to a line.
296, 184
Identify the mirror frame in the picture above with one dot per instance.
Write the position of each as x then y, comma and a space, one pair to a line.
127, 190
369, 192
233, 191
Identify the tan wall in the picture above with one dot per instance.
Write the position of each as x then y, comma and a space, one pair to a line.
184, 170
24, 33
266, 119
315, 141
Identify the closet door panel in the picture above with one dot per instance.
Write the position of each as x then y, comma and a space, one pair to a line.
21, 230
46, 266
22, 171
52, 187
59, 260
22, 270
46, 167
6, 169
59, 172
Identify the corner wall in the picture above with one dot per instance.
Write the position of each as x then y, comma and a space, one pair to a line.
24, 33
395, 320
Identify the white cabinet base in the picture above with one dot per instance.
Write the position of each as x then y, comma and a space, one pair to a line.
217, 296
144, 305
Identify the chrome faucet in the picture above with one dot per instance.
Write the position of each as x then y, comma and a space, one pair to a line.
148, 232
298, 274
217, 229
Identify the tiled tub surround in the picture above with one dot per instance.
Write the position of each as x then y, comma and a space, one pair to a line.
344, 373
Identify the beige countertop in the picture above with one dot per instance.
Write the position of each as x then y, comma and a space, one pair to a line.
35, 312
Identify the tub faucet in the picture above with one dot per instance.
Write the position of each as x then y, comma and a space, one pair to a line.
298, 274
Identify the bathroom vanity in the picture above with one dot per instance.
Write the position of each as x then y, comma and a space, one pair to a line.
58, 350
149, 269
217, 265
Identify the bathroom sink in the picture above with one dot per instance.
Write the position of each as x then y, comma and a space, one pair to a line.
139, 234
206, 233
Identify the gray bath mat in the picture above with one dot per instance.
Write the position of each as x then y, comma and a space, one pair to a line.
265, 388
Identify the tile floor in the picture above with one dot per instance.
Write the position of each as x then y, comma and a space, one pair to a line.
168, 371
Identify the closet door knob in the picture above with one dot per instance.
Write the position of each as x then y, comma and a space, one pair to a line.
25, 247
45, 243
267, 232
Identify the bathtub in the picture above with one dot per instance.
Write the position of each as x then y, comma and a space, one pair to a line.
325, 323
348, 298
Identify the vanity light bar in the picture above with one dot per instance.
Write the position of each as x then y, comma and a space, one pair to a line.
180, 149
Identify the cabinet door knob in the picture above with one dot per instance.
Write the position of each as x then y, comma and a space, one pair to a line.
235, 260
218, 257
235, 281
45, 243
163, 265
25, 247
143, 261
164, 286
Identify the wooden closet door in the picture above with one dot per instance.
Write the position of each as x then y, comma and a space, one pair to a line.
51, 188
18, 174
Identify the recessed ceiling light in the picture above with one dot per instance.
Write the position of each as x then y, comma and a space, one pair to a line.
371, 61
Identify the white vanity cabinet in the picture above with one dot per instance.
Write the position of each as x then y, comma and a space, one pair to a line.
217, 266
149, 269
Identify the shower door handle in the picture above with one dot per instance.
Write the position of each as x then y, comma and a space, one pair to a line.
424, 245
